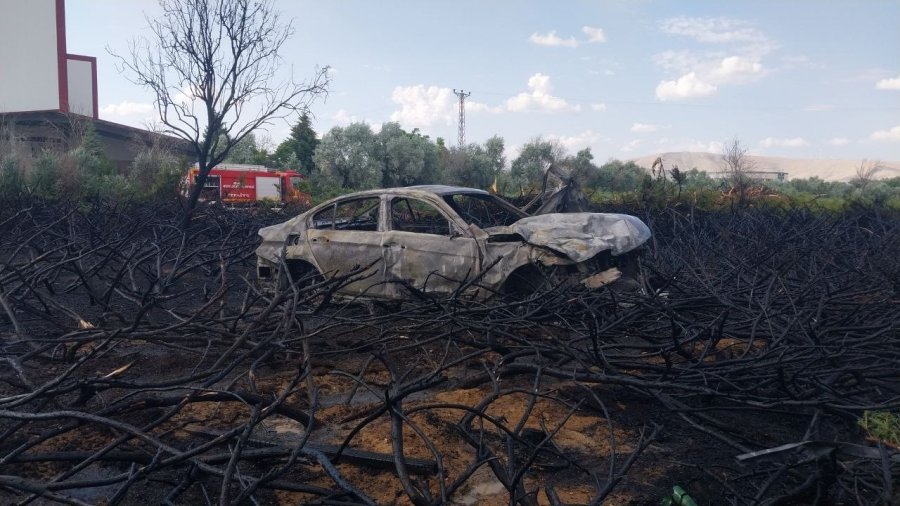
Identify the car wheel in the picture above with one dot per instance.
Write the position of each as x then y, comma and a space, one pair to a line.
533, 278
301, 274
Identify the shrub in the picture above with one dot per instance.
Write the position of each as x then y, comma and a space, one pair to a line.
12, 180
882, 426
44, 179
156, 172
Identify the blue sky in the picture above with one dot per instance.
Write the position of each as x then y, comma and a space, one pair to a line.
802, 79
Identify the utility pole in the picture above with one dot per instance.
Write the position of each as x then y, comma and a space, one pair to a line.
461, 142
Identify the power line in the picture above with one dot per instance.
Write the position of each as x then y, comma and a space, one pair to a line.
461, 141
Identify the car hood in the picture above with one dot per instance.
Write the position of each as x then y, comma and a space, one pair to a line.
275, 237
580, 236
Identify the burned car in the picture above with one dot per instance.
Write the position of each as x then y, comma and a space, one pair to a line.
448, 239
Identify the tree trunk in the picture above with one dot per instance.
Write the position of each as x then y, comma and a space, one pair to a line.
193, 197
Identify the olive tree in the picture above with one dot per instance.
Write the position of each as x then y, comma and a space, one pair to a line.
347, 158
528, 168
212, 67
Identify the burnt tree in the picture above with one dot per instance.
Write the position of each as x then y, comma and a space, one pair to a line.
213, 68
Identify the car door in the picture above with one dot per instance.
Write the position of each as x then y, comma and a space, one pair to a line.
346, 237
425, 249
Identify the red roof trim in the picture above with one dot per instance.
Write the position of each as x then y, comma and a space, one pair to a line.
93, 62
61, 63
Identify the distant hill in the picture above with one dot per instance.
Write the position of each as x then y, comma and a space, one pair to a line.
796, 168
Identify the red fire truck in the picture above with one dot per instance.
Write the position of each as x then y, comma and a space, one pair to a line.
241, 184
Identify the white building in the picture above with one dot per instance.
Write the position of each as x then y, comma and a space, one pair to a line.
762, 175
44, 88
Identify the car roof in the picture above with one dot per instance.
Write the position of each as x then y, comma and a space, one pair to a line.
434, 189
441, 189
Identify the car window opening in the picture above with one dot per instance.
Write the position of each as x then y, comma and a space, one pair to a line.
359, 215
410, 215
485, 211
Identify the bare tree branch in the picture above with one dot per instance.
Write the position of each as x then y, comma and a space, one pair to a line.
213, 67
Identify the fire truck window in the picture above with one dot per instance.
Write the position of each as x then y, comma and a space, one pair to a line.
211, 188
211, 181
410, 215
296, 182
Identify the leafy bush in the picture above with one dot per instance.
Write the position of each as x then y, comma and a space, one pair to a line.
156, 172
12, 179
882, 426
44, 179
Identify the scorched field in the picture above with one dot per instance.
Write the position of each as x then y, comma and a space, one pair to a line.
141, 364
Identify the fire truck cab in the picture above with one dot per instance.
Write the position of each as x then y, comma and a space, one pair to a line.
243, 184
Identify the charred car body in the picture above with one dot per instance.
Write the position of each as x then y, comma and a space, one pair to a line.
444, 239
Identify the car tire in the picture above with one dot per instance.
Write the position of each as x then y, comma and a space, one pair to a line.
533, 278
302, 274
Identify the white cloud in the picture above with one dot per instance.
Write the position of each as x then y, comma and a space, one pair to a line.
187, 97
539, 98
799, 62
839, 141
552, 40
577, 142
702, 76
796, 142
715, 69
702, 72
712, 30
737, 69
342, 117
631, 146
599, 107
127, 109
643, 128
677, 61
594, 34
687, 86
892, 135
422, 106
473, 106
888, 84
818, 108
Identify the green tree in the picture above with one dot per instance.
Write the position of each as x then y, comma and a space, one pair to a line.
618, 176
477, 166
248, 151
401, 154
443, 161
581, 166
297, 151
90, 156
347, 159
527, 169
699, 180
493, 150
